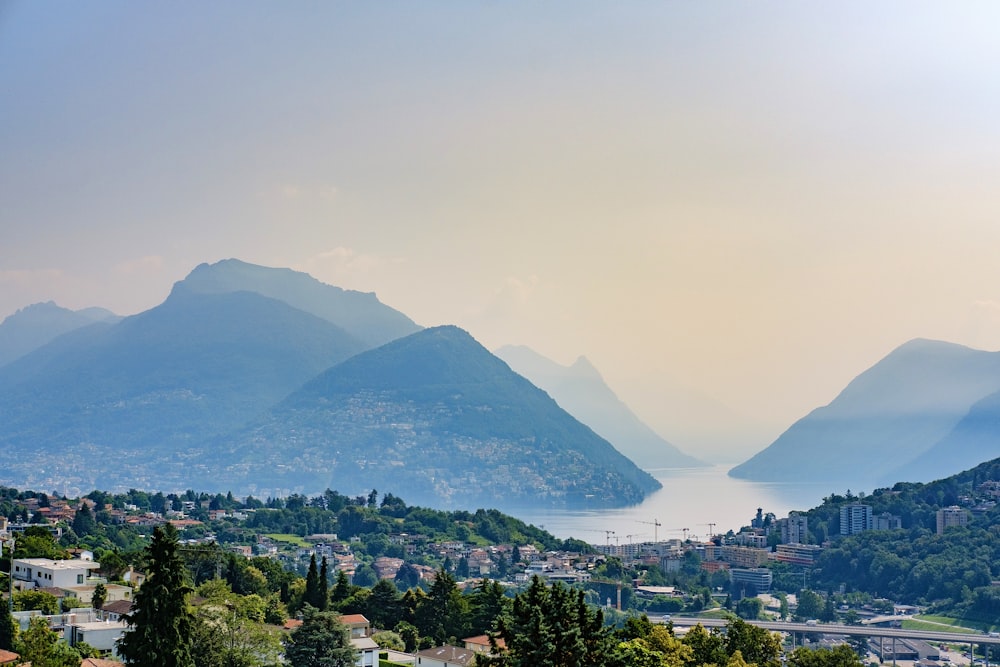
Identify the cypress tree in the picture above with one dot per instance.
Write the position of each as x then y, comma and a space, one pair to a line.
160, 625
323, 595
312, 584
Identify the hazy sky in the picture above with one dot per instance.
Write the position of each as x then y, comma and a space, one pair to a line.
755, 200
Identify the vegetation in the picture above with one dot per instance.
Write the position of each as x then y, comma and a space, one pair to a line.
161, 624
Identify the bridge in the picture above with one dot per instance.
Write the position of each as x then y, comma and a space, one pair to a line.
851, 630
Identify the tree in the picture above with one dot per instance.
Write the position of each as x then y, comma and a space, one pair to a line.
312, 596
550, 627
84, 523
341, 588
755, 645
321, 641
42, 647
443, 613
707, 648
749, 608
8, 629
840, 656
324, 587
810, 605
30, 600
99, 596
160, 625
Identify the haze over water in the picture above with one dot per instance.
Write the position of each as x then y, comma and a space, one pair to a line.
690, 498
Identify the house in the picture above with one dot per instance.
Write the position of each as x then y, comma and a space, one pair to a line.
9, 657
102, 635
368, 651
481, 643
357, 625
114, 611
47, 573
446, 656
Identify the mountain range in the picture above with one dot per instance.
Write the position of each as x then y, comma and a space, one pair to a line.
926, 410
434, 416
581, 391
171, 395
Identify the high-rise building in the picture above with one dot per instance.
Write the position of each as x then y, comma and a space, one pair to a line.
855, 518
951, 516
795, 529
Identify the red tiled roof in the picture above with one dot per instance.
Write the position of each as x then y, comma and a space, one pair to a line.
352, 619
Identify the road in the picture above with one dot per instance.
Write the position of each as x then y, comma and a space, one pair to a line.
854, 630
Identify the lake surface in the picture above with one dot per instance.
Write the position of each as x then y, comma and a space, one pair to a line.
690, 498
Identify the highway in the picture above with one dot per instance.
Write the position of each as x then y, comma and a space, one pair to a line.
855, 630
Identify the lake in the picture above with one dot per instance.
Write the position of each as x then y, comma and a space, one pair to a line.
690, 498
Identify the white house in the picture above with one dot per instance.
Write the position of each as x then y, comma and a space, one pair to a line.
46, 573
102, 635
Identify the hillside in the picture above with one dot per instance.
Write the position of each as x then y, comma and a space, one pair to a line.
580, 390
33, 326
437, 418
884, 419
117, 402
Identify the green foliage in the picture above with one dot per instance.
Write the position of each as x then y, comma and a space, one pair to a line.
30, 599
750, 608
389, 639
321, 641
756, 645
38, 542
551, 627
161, 626
42, 647
810, 605
99, 596
8, 629
839, 656
443, 613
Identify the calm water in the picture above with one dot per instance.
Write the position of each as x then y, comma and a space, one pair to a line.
690, 498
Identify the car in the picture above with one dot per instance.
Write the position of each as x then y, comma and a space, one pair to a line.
666, 617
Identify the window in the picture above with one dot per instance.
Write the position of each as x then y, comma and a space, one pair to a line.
79, 578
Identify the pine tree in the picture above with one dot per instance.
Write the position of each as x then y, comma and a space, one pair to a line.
321, 641
342, 587
160, 625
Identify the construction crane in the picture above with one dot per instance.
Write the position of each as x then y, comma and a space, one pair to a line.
655, 523
607, 535
711, 530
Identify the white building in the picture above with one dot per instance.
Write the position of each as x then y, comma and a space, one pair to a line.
46, 573
855, 518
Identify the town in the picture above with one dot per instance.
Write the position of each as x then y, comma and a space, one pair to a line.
77, 563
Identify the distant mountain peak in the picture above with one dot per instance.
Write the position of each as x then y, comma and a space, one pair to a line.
359, 313
581, 390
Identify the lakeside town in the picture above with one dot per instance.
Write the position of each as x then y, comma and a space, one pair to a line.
89, 591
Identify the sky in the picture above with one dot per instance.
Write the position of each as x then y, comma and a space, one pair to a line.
730, 208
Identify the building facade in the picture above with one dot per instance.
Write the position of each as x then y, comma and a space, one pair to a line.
855, 518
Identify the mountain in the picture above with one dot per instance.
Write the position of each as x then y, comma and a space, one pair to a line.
580, 390
436, 418
974, 439
885, 418
360, 314
115, 401
33, 326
